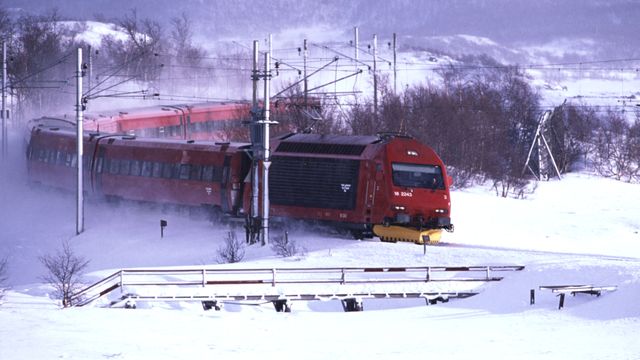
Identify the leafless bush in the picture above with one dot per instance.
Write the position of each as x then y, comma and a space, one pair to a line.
617, 148
232, 251
512, 186
65, 270
286, 247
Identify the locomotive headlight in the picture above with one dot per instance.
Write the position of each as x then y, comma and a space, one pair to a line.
412, 153
441, 211
398, 208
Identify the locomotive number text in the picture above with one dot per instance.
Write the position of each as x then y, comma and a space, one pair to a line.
403, 193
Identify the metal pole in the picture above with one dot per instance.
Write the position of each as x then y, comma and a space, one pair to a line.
5, 147
266, 162
355, 34
395, 69
91, 70
375, 76
306, 87
255, 174
79, 116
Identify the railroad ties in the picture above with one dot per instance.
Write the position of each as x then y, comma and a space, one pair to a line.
282, 286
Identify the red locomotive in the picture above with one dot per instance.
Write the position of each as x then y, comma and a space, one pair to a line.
390, 186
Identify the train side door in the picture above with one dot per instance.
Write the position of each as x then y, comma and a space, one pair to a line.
96, 172
224, 181
370, 194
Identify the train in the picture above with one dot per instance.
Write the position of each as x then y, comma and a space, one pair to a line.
389, 185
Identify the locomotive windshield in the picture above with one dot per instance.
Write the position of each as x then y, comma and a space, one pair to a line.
417, 176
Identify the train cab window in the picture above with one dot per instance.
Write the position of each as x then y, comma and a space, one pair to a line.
135, 168
417, 176
207, 173
147, 168
184, 171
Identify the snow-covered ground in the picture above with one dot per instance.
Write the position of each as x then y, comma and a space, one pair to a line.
580, 230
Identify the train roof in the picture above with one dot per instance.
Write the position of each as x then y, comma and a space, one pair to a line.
142, 141
346, 145
160, 109
330, 139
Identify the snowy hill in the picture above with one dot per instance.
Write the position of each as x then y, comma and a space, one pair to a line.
580, 230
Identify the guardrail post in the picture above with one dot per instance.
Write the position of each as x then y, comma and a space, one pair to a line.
488, 272
561, 303
428, 274
121, 282
273, 277
204, 277
342, 277
532, 297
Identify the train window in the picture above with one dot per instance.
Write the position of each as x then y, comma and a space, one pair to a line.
125, 166
60, 155
74, 160
207, 173
167, 170
147, 168
67, 159
135, 168
196, 172
417, 175
157, 170
184, 171
114, 165
51, 156
42, 155
99, 165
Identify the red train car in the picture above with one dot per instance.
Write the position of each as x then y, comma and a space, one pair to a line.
122, 166
389, 186
204, 121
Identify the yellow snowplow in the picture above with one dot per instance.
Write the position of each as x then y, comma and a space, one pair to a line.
399, 233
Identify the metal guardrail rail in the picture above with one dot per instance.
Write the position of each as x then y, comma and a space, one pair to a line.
275, 284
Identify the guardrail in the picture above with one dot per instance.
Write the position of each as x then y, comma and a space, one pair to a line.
272, 284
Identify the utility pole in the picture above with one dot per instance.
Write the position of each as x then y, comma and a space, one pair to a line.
306, 85
375, 76
5, 146
255, 142
266, 159
79, 137
90, 70
355, 35
395, 69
